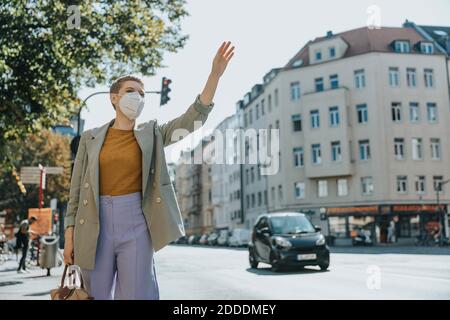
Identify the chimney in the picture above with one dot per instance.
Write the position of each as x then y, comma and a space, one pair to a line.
329, 34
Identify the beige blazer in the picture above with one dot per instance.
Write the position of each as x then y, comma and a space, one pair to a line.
159, 202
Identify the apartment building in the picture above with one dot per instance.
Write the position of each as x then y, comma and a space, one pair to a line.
364, 134
226, 177
252, 113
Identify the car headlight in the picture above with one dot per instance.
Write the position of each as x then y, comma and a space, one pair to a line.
282, 242
320, 241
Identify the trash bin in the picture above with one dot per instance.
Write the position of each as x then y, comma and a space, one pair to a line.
49, 252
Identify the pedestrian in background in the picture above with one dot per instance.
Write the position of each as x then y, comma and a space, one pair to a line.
22, 241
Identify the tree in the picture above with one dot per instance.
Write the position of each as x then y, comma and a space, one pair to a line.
46, 56
49, 149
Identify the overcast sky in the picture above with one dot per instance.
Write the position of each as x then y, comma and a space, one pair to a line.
266, 34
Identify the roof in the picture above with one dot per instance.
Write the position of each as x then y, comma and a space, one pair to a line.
439, 34
364, 40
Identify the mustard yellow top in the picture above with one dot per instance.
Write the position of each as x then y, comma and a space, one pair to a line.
120, 163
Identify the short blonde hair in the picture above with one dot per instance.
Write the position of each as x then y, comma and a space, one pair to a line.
117, 84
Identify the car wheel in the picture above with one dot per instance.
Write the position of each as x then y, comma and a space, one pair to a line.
324, 264
252, 259
276, 267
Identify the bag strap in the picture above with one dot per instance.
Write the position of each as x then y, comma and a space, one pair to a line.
76, 271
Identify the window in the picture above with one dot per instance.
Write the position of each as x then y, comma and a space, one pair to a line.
428, 78
315, 121
414, 112
277, 124
265, 196
363, 116
316, 154
332, 52
367, 185
257, 111
431, 112
396, 110
334, 81
253, 200
393, 77
276, 97
250, 116
334, 116
402, 184
295, 91
417, 149
402, 46
298, 157
336, 151
252, 174
318, 55
342, 187
364, 150
259, 198
426, 47
297, 122
280, 192
273, 194
262, 106
399, 148
245, 120
299, 189
319, 84
411, 77
322, 188
435, 144
420, 184
360, 79
247, 198
437, 183
246, 176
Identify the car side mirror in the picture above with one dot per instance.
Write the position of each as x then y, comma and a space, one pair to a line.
317, 228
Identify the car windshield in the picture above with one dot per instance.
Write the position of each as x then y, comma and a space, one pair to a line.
291, 225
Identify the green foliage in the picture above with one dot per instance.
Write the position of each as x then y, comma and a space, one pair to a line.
44, 61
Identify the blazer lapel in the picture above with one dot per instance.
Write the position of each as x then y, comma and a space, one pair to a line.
144, 137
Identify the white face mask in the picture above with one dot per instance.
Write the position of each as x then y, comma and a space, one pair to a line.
131, 104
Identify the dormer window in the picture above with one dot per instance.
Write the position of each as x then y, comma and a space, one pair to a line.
318, 55
426, 47
402, 46
332, 52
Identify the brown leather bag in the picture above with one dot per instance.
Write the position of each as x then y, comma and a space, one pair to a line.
71, 292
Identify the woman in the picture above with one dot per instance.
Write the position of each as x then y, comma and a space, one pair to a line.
122, 206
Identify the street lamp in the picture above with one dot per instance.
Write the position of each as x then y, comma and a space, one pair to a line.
442, 215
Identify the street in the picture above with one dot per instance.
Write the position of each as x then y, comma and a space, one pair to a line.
201, 272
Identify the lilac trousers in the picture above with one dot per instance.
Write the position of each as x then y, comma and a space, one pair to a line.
124, 263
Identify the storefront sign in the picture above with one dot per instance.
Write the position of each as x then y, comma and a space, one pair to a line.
417, 208
350, 210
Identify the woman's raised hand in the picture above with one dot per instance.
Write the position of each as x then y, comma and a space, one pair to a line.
223, 56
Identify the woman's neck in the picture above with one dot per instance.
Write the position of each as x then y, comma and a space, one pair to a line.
123, 123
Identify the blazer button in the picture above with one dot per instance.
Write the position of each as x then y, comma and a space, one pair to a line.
158, 199
86, 185
81, 221
85, 202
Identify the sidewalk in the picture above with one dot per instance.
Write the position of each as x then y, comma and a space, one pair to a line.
27, 286
387, 249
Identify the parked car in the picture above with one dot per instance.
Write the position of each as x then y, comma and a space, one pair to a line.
182, 240
223, 238
239, 237
287, 239
193, 239
212, 239
203, 239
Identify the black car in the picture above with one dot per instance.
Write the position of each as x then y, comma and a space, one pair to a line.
287, 239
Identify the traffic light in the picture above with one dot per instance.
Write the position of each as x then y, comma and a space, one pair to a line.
165, 91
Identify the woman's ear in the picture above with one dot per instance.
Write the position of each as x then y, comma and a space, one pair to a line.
114, 97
